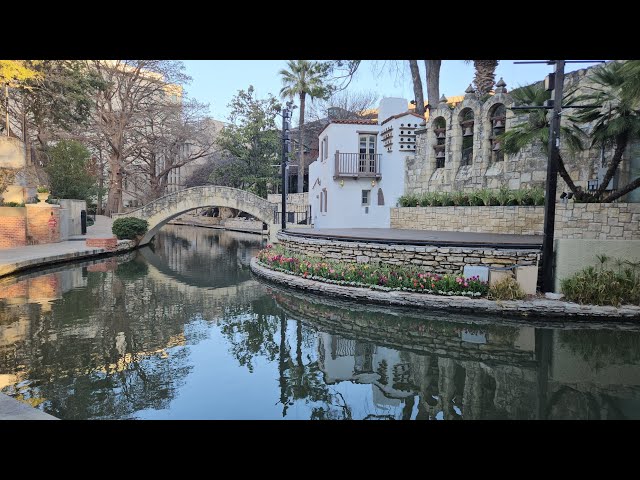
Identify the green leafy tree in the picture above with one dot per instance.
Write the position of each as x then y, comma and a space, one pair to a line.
251, 145
70, 171
302, 78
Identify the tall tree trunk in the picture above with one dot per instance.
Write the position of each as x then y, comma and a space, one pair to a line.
485, 76
433, 82
623, 191
301, 145
417, 87
621, 145
114, 200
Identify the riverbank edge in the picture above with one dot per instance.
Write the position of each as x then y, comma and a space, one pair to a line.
12, 409
37, 262
526, 308
216, 227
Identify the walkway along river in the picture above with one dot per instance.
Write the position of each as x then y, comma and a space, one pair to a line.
184, 330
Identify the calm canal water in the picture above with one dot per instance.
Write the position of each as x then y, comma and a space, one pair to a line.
184, 331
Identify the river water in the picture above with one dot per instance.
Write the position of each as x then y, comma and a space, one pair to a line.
183, 330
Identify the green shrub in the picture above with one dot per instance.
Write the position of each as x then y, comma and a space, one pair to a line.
604, 286
506, 289
537, 194
503, 196
460, 199
129, 227
42, 189
410, 200
13, 204
89, 221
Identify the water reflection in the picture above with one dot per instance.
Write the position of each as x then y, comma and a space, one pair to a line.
185, 331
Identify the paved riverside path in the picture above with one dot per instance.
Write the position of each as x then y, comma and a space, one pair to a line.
422, 237
20, 258
12, 409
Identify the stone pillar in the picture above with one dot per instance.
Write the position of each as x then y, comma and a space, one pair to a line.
43, 223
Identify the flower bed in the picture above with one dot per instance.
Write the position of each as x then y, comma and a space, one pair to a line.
375, 277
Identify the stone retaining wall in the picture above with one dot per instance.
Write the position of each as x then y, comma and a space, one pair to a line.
535, 307
602, 221
516, 220
430, 258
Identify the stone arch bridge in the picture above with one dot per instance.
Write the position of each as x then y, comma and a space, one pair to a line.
166, 208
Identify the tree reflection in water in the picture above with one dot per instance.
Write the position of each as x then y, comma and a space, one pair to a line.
138, 335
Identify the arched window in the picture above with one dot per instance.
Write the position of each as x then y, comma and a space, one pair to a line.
498, 119
466, 123
323, 200
440, 133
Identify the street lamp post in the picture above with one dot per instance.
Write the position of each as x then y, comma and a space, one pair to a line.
552, 179
286, 146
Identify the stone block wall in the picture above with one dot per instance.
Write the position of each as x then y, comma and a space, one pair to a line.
39, 229
485, 169
603, 221
598, 221
13, 224
242, 224
516, 220
429, 258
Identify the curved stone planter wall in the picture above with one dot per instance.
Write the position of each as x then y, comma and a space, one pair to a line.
535, 307
435, 259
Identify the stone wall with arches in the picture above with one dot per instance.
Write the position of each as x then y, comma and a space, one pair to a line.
466, 155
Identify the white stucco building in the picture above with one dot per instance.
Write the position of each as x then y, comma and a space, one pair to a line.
359, 174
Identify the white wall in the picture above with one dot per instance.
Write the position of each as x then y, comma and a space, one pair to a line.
344, 202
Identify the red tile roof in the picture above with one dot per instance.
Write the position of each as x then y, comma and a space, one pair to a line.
351, 121
421, 117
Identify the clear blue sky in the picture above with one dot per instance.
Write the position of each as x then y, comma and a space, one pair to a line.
216, 81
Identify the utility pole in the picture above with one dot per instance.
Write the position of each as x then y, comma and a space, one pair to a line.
555, 83
286, 146
552, 179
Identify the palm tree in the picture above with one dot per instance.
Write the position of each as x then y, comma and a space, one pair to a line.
485, 76
536, 129
631, 72
617, 123
303, 78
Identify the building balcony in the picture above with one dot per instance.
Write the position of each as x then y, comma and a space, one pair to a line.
357, 165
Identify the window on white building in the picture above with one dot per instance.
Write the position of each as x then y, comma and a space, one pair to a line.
366, 197
325, 148
323, 201
367, 151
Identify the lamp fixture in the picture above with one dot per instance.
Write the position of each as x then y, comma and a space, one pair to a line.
342, 183
373, 183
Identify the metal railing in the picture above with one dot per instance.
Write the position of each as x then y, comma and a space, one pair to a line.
357, 165
301, 216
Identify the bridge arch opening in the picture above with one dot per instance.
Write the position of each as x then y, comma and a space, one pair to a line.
171, 206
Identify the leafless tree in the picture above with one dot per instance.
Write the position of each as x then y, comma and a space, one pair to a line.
174, 135
344, 104
134, 91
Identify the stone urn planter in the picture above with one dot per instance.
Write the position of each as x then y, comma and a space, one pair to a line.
43, 197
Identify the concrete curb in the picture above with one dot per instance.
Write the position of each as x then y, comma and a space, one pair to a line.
532, 308
35, 262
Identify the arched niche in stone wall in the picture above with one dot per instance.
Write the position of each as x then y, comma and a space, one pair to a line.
496, 120
466, 126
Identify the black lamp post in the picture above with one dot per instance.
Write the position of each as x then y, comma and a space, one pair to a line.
286, 148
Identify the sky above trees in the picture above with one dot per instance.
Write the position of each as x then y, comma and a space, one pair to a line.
217, 81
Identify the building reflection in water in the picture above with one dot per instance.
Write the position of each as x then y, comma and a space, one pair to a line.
132, 336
